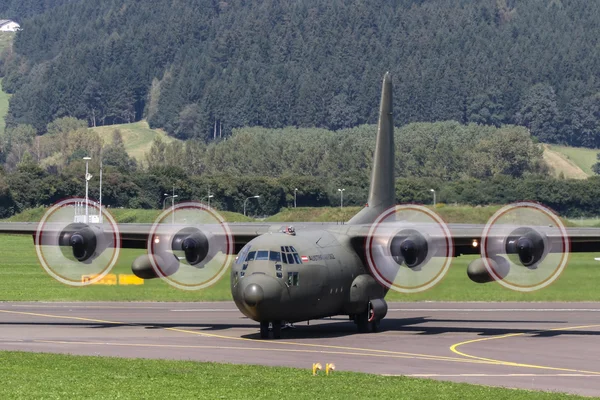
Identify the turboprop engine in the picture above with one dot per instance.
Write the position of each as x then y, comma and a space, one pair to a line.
411, 248
189, 245
82, 242
524, 247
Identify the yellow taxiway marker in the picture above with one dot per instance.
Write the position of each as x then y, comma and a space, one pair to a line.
113, 279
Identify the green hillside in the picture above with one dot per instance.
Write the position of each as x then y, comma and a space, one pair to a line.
137, 137
582, 157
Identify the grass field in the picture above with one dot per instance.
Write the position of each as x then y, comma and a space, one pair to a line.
137, 137
4, 97
23, 279
581, 157
50, 376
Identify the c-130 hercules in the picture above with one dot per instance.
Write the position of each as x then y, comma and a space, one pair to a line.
321, 270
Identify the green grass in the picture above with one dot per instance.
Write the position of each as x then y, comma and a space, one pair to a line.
4, 97
122, 215
582, 157
51, 376
137, 137
23, 279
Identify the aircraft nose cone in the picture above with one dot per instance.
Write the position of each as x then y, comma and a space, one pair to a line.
253, 294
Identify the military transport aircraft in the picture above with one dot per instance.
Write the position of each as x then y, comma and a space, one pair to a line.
311, 271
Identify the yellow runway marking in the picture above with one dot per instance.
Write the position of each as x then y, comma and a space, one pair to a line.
352, 350
327, 349
454, 349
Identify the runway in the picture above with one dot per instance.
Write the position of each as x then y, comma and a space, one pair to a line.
540, 346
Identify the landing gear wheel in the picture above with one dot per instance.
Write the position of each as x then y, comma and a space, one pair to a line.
362, 322
276, 327
264, 330
375, 326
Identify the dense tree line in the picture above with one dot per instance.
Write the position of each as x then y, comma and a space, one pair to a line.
19, 10
466, 164
201, 68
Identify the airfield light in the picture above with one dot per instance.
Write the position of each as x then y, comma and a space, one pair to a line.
341, 197
245, 201
88, 176
475, 243
295, 190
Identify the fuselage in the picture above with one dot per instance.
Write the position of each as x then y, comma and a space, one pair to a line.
295, 277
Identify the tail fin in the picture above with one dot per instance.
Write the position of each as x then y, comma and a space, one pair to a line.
382, 193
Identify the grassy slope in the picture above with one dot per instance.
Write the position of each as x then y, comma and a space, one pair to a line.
582, 157
137, 137
561, 165
27, 375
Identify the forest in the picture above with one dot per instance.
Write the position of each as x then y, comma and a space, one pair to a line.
202, 68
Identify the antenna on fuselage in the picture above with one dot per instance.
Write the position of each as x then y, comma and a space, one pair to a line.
382, 191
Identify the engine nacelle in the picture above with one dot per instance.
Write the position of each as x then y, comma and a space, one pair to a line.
193, 243
411, 248
526, 246
478, 272
86, 242
142, 266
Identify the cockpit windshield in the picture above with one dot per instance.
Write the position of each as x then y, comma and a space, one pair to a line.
262, 255
275, 256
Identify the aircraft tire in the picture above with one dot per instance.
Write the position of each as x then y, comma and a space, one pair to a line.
276, 329
362, 323
264, 330
375, 326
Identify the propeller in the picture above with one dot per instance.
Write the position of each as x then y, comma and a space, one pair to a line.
74, 249
190, 246
409, 248
530, 240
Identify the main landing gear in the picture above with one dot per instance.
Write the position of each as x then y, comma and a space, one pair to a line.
369, 320
273, 327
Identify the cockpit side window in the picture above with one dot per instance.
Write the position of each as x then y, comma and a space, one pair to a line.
275, 256
251, 256
297, 258
290, 258
262, 255
242, 255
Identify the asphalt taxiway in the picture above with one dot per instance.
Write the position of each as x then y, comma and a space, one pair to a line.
541, 346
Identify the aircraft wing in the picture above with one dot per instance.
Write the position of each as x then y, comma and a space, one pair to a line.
467, 238
135, 236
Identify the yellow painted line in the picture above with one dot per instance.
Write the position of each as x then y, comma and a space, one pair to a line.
369, 352
175, 346
63, 317
454, 349
326, 346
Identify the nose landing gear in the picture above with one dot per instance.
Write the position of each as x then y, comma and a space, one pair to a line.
273, 327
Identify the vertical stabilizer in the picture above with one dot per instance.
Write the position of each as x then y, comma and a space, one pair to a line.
382, 192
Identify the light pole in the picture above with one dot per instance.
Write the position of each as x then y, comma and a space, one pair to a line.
210, 196
341, 197
87, 180
165, 200
295, 190
245, 201
434, 201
